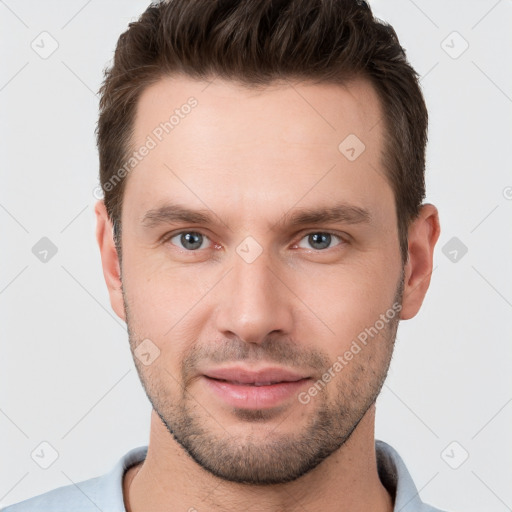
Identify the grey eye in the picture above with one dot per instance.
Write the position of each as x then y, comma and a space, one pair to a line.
189, 240
319, 240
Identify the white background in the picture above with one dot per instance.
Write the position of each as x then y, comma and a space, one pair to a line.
67, 376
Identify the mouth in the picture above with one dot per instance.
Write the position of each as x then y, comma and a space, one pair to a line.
261, 377
262, 389
251, 383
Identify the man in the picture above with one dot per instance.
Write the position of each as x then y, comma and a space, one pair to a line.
262, 234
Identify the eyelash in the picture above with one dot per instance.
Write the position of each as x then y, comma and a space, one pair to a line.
343, 241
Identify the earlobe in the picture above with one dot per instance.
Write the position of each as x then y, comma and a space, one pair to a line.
423, 234
109, 258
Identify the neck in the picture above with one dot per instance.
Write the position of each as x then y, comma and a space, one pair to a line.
346, 480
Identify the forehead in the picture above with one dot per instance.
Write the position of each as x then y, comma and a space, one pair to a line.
326, 111
239, 146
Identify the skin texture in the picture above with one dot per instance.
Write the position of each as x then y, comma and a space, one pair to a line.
250, 159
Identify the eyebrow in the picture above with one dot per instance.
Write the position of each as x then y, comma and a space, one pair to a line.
168, 214
341, 213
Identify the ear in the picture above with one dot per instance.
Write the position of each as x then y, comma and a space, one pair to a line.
423, 234
109, 258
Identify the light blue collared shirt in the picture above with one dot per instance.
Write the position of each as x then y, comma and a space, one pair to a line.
105, 492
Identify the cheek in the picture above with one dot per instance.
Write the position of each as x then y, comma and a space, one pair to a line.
165, 306
347, 299
162, 292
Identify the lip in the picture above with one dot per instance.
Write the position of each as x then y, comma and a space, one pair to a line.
263, 376
261, 389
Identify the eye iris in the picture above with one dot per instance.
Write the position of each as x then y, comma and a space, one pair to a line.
191, 240
324, 239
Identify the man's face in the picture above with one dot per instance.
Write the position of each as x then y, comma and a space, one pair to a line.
247, 289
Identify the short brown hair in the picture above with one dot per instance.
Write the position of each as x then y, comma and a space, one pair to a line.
256, 43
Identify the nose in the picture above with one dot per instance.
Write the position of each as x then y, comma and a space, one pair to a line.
254, 301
